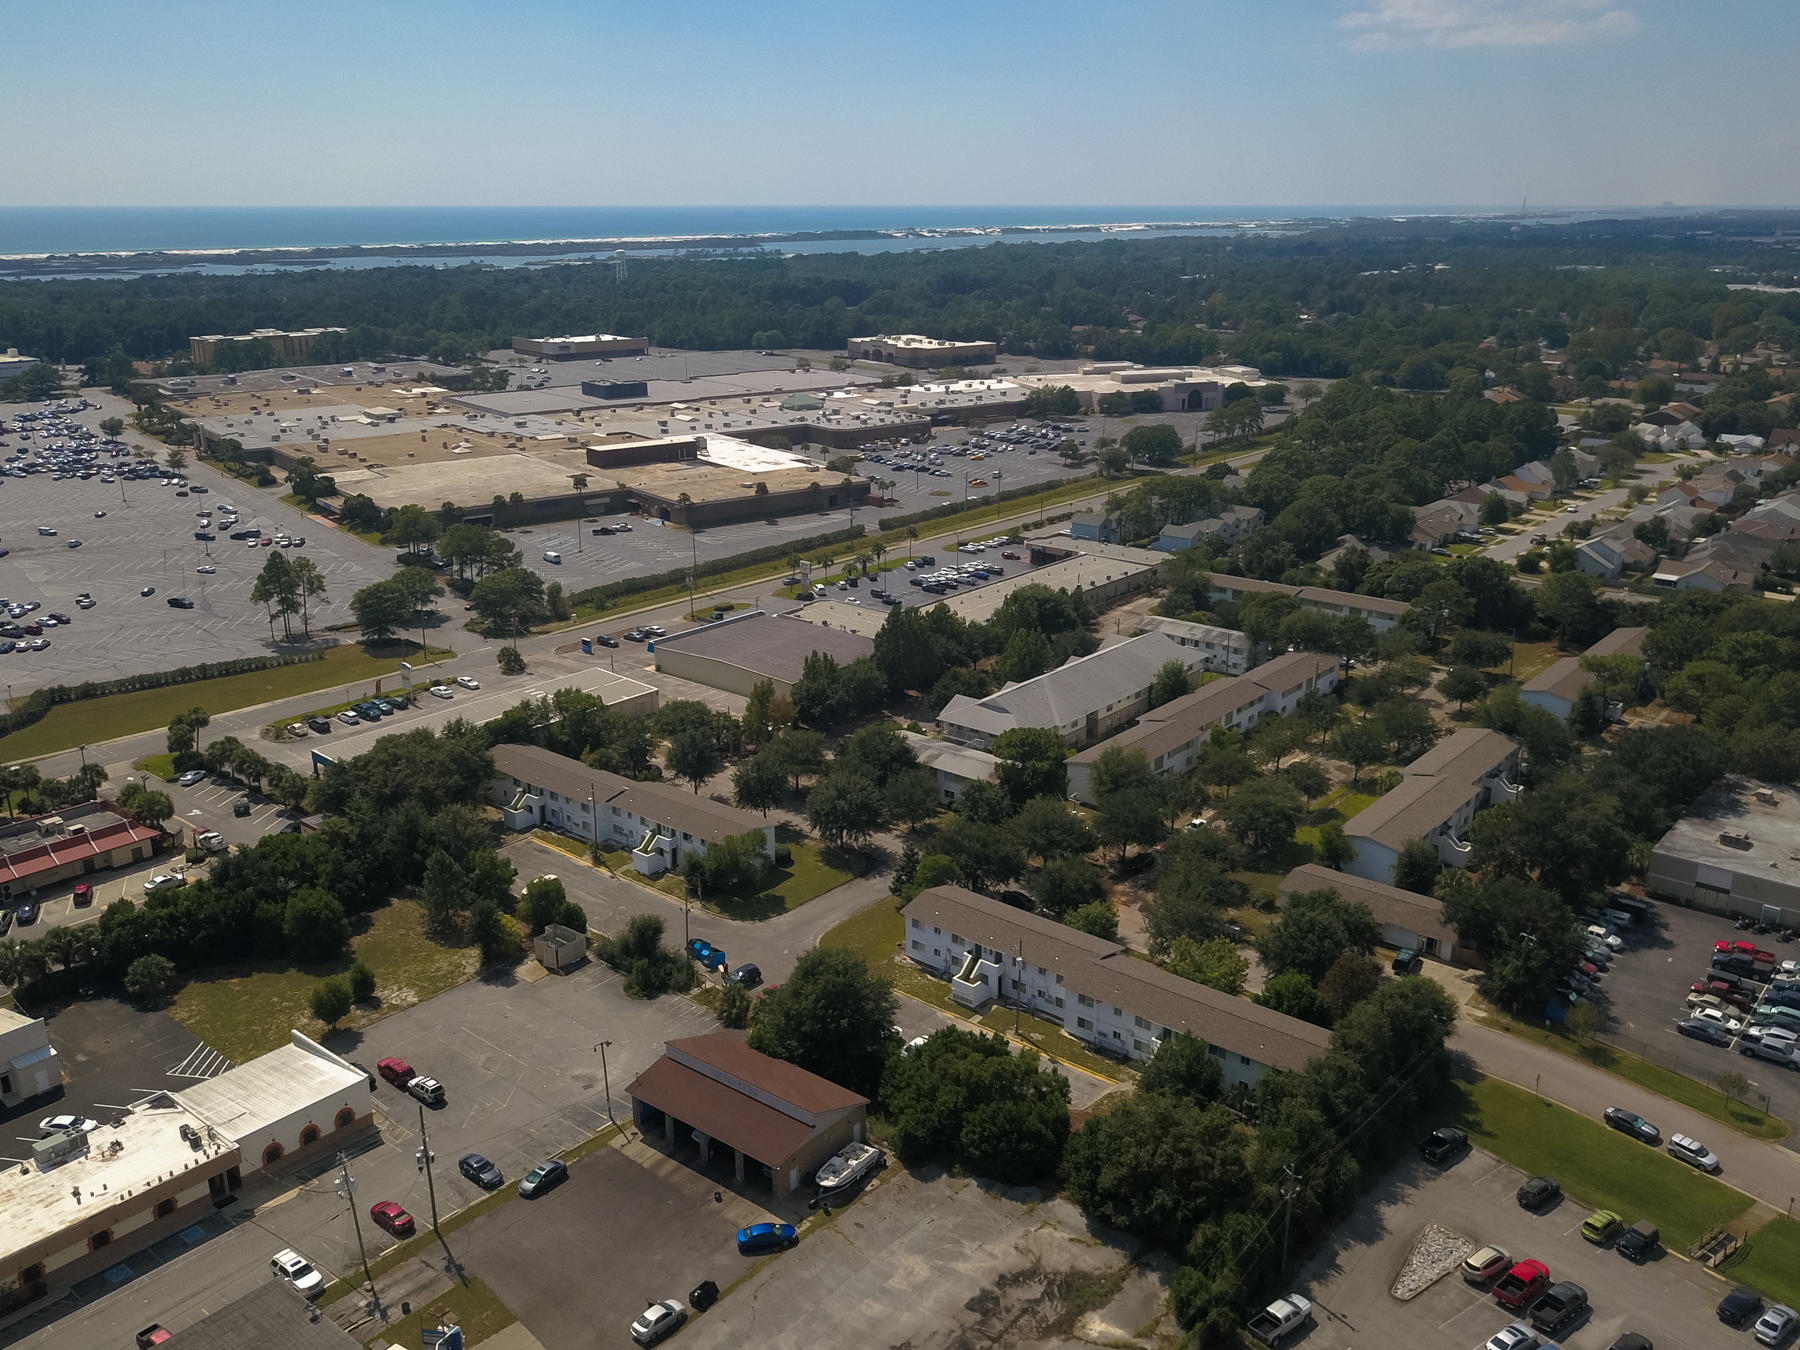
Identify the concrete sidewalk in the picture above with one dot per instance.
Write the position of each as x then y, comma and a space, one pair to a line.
1767, 1171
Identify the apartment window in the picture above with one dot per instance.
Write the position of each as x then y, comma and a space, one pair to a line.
1216, 1051
1057, 1000
1059, 979
1084, 1000
918, 946
917, 924
938, 932
955, 939
1244, 1060
1117, 1037
1042, 971
1118, 1012
1084, 1024
1018, 985
1141, 1023
164, 1208
1142, 1047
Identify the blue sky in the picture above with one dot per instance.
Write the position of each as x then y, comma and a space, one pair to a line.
1201, 102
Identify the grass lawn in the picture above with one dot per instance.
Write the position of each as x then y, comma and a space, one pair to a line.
1053, 1040
875, 935
1598, 1167
243, 1011
1654, 1077
1532, 658
472, 1306
1770, 1261
100, 719
163, 766
1339, 805
815, 869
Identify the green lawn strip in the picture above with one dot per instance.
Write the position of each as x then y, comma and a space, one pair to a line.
472, 1306
815, 869
875, 935
1532, 658
100, 719
1652, 1077
1598, 1167
162, 766
245, 1010
1770, 1261
1053, 1041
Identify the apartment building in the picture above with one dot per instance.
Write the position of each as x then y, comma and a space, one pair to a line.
1558, 685
1094, 989
660, 823
1381, 614
1172, 736
1227, 651
1466, 772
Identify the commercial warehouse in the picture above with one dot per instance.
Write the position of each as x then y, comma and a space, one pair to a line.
580, 348
737, 653
913, 349
1736, 852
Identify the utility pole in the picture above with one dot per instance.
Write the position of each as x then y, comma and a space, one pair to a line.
1288, 1193
356, 1221
424, 1158
606, 1082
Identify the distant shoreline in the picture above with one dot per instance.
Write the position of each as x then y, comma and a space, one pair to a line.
19, 264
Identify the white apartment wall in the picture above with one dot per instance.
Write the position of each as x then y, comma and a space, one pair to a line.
1373, 861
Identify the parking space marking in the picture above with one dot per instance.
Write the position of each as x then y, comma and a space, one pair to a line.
201, 1062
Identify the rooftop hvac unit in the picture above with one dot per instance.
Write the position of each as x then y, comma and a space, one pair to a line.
1734, 838
1766, 796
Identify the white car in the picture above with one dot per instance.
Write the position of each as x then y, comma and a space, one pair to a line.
1691, 1151
349, 717
441, 691
289, 1265
657, 1321
1518, 1336
50, 1125
206, 569
1776, 1324
468, 682
1714, 1014
191, 777
1599, 934
163, 881
1790, 967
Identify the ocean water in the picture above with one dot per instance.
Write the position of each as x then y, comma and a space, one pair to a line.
111, 229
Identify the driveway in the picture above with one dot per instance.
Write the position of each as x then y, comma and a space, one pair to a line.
1349, 1278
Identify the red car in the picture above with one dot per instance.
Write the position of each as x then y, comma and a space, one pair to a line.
397, 1071
393, 1218
84, 893
1725, 993
1520, 1286
1742, 948
1009, 555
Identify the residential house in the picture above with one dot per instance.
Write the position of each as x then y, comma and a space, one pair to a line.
1095, 525
1741, 444
1094, 988
1224, 530
1783, 441
662, 824
1083, 700
1172, 736
1558, 685
1466, 772
1697, 574
1436, 526
1524, 487
1605, 557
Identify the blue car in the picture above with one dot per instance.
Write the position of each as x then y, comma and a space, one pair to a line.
766, 1237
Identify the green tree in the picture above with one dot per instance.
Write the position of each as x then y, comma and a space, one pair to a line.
277, 589
444, 892
1313, 930
1359, 744
1048, 827
1263, 815
510, 600
1064, 884
382, 610
510, 660
1494, 510
1293, 994
1216, 963
314, 926
846, 808
1032, 763
1349, 981
1416, 867
694, 757
1155, 1166
1172, 681
1480, 649
735, 1007
798, 752
913, 796
1097, 918
1308, 779
832, 1018
1158, 444
331, 1001
758, 783
1462, 683
1184, 1068
151, 978
362, 983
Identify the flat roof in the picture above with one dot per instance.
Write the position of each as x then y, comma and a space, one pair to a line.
919, 340
1730, 806
272, 1316
768, 646
39, 1205
865, 620
244, 1102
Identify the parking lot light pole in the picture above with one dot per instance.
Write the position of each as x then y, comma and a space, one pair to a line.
356, 1220
424, 1157
606, 1082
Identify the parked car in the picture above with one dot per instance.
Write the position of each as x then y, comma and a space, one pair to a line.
191, 777
1739, 1306
84, 893
1561, 1304
1691, 1151
766, 1237
319, 724
50, 1125
749, 975
349, 717
441, 691
1443, 1144
1601, 1227
658, 1320
1631, 1123
1777, 1050
1639, 1242
1775, 1325
1516, 1336
1538, 1193
396, 1070
164, 881
426, 1089
289, 1265
389, 1215
542, 1177
1520, 1286
1485, 1264
479, 1170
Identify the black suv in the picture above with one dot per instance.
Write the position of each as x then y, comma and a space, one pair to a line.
1442, 1145
1538, 1193
1739, 1306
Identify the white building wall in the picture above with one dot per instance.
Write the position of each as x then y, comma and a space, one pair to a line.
1373, 861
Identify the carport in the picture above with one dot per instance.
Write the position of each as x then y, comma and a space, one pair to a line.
715, 1089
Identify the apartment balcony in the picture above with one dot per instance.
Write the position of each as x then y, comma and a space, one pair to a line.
651, 857
976, 980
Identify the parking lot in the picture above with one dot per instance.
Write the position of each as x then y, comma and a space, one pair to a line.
146, 538
1646, 992
211, 804
1668, 1298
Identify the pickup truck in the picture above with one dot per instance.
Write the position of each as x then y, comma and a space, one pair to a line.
1561, 1304
1279, 1318
153, 1335
1520, 1285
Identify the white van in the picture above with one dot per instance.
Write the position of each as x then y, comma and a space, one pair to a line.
552, 556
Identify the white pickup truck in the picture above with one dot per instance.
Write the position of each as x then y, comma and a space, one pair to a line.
1282, 1316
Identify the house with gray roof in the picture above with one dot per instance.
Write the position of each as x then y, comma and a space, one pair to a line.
1558, 685
956, 766
1407, 918
662, 824
1468, 771
1082, 700
1380, 613
1094, 988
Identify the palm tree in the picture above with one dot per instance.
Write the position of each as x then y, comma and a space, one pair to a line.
61, 946
20, 962
879, 550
